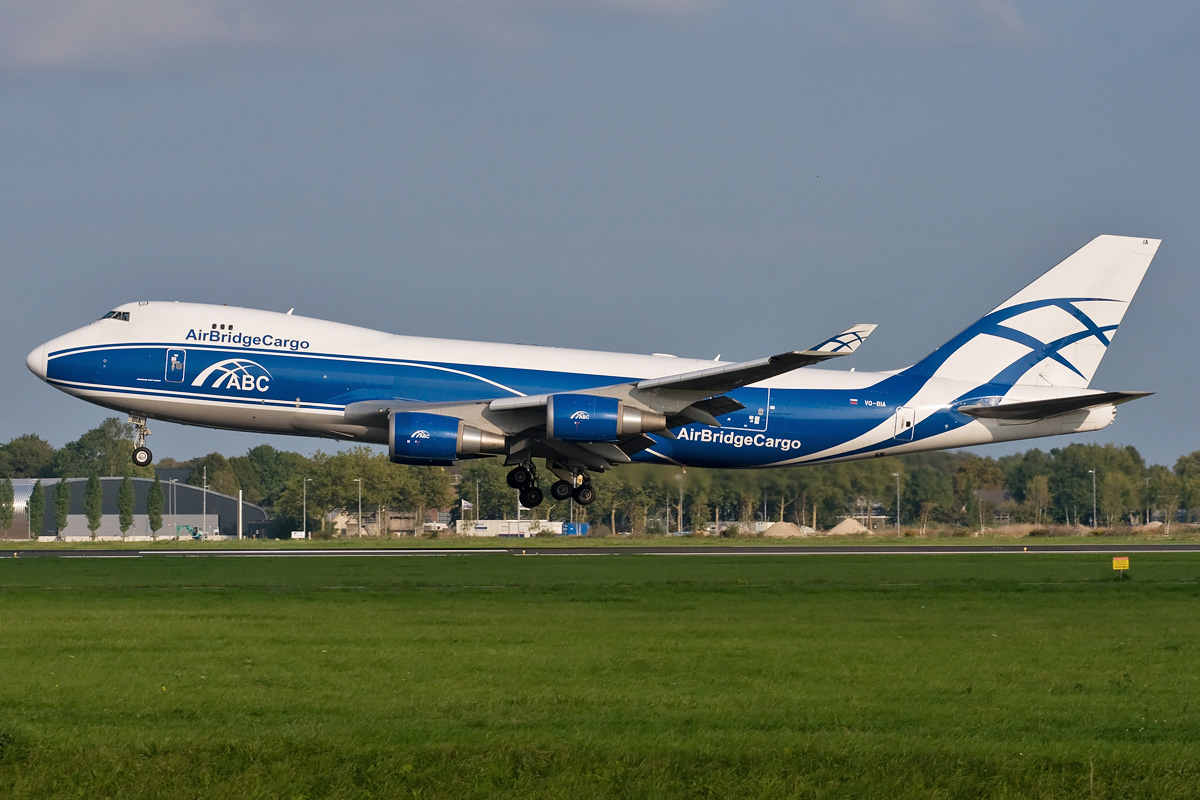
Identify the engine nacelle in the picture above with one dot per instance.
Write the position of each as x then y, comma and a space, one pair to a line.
588, 418
437, 440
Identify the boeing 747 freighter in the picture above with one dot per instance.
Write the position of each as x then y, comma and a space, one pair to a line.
1022, 371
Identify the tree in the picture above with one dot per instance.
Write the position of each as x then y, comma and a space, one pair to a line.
434, 489
93, 503
1187, 470
928, 494
1162, 489
62, 504
973, 475
154, 506
216, 469
1038, 497
264, 472
497, 500
27, 456
36, 510
106, 449
6, 503
699, 513
125, 505
1118, 496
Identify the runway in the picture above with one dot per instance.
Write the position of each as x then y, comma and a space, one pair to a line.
650, 550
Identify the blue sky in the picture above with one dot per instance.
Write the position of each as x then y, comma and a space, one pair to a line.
672, 176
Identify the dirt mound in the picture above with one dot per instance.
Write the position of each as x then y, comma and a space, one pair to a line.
847, 526
784, 529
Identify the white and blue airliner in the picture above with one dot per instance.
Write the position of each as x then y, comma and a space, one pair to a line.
1022, 371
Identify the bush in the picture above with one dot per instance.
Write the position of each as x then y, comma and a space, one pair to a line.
730, 532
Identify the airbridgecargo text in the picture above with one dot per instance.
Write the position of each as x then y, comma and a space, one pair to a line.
714, 436
245, 340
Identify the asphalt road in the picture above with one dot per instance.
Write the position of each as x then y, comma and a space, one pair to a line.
780, 550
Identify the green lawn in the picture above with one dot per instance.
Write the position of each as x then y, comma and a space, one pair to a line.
600, 676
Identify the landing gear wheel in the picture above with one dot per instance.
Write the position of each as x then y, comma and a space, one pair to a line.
520, 477
585, 494
531, 497
561, 490
142, 457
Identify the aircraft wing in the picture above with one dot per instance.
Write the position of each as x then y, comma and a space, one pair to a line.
728, 377
1041, 409
674, 400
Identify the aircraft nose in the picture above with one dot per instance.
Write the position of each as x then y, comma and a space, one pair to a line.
36, 361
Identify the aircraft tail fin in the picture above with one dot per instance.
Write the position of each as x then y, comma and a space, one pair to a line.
1055, 331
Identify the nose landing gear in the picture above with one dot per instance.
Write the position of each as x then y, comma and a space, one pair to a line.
141, 454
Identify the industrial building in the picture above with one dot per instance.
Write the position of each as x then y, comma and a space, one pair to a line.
188, 512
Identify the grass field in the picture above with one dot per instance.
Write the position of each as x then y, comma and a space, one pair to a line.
605, 676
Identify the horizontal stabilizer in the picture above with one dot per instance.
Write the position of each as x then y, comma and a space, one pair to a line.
1041, 409
733, 376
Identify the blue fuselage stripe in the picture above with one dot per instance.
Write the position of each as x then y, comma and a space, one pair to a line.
776, 425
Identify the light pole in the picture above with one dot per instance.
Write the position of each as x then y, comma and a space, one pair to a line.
896, 475
174, 510
1093, 496
359, 482
304, 513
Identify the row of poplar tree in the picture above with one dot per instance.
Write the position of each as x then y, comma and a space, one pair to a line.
93, 500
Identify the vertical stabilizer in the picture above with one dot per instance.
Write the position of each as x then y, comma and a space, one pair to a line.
1054, 331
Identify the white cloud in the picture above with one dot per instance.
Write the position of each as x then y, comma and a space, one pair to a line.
73, 34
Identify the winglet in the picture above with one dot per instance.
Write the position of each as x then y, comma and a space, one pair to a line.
845, 342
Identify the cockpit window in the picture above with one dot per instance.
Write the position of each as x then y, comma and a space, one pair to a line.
121, 315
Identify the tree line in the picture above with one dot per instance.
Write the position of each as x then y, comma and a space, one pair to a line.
1079, 484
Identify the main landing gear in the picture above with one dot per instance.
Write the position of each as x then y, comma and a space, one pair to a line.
524, 479
141, 454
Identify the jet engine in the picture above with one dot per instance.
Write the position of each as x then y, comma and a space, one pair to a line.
588, 418
437, 440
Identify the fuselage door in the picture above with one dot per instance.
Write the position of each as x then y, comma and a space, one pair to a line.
176, 365
906, 420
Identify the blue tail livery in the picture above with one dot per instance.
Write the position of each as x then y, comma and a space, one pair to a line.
1022, 371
